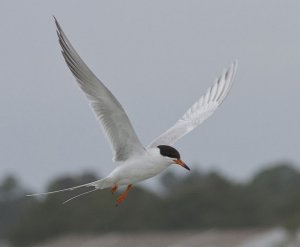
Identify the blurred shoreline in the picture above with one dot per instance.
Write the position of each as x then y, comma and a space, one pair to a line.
276, 237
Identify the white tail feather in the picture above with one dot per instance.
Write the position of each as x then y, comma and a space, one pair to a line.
99, 184
68, 189
84, 193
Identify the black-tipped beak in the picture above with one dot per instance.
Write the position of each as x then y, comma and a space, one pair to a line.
181, 163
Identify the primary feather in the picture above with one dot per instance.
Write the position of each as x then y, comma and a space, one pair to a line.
107, 108
200, 110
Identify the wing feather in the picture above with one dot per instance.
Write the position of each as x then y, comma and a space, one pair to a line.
108, 110
200, 110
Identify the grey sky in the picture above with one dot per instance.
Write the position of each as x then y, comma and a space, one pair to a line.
157, 57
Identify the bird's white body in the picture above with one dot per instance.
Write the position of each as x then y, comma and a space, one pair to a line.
136, 169
136, 163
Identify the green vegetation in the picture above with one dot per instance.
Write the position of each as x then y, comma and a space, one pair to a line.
195, 201
13, 204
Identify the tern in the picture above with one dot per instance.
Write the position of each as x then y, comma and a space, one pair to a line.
135, 162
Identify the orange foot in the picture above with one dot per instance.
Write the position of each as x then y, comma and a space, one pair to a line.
114, 188
123, 195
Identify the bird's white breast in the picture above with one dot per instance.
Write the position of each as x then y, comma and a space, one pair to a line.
139, 168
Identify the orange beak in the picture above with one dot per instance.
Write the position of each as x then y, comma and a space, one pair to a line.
181, 163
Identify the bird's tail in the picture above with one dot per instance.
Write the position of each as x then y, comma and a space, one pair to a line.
98, 185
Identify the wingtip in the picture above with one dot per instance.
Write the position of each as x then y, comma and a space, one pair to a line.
235, 63
55, 20
233, 68
56, 23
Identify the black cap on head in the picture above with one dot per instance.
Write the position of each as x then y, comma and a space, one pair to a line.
169, 151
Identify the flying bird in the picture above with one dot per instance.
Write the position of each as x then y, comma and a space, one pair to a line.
135, 162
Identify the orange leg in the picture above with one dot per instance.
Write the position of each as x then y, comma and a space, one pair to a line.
123, 195
114, 188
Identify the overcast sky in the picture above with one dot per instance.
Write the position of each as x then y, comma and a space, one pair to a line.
157, 57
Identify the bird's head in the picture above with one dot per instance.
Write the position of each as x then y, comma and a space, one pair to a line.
172, 155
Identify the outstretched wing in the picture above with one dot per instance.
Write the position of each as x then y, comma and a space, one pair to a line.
200, 110
108, 110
